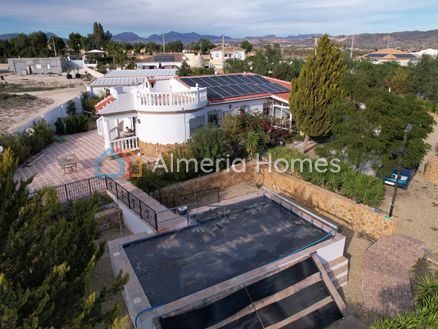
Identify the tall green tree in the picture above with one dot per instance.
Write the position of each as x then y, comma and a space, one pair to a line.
99, 37
175, 46
369, 129
425, 78
235, 65
317, 90
74, 41
245, 44
202, 46
47, 256
115, 51
56, 46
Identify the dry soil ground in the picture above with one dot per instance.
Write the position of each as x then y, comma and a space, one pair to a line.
33, 95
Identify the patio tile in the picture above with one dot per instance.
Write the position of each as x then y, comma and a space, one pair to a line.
87, 146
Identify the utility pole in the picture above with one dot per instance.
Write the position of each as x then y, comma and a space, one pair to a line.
315, 44
223, 51
407, 130
54, 46
352, 47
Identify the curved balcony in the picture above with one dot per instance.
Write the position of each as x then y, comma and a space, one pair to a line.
172, 101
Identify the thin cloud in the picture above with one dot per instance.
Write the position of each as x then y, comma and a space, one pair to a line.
231, 17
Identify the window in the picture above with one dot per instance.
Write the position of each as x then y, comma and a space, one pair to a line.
195, 124
48, 66
38, 66
215, 118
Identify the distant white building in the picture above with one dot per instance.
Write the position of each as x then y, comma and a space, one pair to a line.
219, 55
156, 112
429, 52
160, 61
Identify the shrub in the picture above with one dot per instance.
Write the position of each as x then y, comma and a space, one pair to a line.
16, 143
30, 142
246, 134
425, 314
151, 180
60, 126
75, 124
71, 108
352, 184
88, 102
209, 143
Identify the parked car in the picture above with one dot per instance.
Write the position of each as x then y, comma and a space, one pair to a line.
405, 177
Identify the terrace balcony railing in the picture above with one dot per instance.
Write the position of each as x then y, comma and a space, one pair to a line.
172, 101
125, 144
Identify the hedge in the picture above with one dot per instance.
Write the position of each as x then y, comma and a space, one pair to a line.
348, 182
71, 124
32, 141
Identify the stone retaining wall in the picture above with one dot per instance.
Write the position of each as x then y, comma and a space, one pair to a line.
431, 170
346, 212
154, 150
108, 218
358, 217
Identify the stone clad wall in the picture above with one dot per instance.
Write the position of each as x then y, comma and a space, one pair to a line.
108, 218
340, 209
154, 150
431, 170
358, 217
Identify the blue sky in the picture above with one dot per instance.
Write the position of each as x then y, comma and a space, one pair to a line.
230, 17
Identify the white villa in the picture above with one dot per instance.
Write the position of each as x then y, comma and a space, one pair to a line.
219, 55
154, 110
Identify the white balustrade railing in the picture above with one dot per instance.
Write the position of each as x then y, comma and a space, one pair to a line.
187, 99
125, 144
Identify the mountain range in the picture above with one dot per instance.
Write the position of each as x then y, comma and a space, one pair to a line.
404, 40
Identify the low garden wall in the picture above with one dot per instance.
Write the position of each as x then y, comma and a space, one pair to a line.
431, 170
51, 116
109, 218
346, 212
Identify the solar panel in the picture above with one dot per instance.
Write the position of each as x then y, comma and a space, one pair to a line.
234, 85
164, 58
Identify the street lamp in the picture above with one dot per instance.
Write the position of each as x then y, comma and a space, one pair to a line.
407, 130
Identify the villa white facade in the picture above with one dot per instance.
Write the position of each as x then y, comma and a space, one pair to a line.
158, 108
220, 55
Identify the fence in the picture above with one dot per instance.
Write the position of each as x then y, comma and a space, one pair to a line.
86, 187
135, 204
80, 189
195, 199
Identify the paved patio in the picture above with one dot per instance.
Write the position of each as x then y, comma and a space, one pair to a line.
386, 283
87, 146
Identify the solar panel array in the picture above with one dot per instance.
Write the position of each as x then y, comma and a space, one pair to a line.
234, 85
164, 58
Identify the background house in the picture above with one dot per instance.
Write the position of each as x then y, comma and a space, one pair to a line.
391, 55
219, 55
